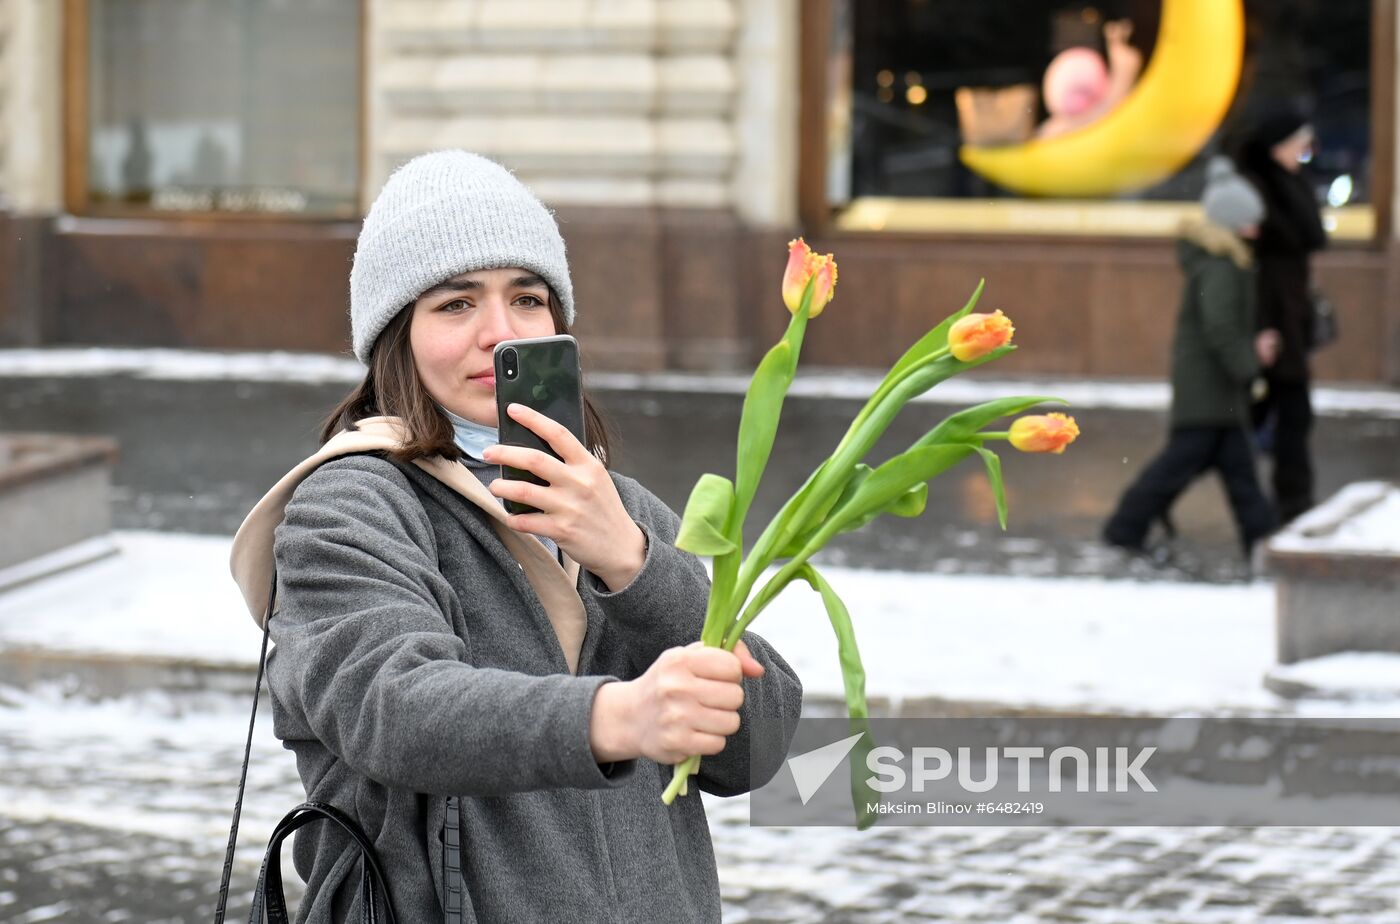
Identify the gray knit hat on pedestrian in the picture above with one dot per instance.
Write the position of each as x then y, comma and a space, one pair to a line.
440, 215
1229, 200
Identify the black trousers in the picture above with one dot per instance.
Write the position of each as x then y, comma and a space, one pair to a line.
1190, 452
1291, 407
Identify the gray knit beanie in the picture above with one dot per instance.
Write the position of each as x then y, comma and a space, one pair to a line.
440, 215
1229, 200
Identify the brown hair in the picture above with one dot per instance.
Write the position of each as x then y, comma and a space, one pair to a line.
392, 388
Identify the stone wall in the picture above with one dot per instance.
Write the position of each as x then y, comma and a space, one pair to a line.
30, 103
628, 103
30, 159
662, 131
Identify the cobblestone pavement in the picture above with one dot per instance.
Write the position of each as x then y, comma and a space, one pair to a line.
117, 811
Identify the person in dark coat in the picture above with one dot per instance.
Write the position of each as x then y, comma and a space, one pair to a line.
1216, 356
1270, 158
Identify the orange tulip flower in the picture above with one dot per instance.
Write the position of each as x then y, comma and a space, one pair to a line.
802, 266
976, 335
1043, 433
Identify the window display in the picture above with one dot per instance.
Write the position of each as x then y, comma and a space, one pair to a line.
1080, 105
223, 106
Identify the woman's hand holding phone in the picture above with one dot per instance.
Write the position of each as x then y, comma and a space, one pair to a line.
579, 508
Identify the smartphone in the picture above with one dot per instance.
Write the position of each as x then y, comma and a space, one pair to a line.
542, 373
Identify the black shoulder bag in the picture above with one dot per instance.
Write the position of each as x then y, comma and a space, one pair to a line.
269, 900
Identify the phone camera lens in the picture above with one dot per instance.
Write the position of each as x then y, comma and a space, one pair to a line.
509, 364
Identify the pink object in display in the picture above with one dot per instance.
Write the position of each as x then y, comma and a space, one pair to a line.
1075, 81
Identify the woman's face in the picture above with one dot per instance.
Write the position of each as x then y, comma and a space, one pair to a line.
456, 326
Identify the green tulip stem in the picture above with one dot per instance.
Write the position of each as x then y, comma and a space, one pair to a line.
830, 478
724, 602
775, 585
680, 779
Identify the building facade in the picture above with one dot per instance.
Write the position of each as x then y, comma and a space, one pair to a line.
193, 172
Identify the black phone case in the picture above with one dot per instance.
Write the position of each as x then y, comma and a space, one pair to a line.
549, 381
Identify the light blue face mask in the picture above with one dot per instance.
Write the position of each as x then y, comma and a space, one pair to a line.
471, 437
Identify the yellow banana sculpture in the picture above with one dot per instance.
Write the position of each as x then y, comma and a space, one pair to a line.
1169, 116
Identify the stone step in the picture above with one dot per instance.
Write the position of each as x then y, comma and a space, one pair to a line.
54, 492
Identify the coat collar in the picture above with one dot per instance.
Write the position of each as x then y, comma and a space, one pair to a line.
1217, 240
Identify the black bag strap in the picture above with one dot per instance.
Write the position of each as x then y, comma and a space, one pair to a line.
268, 897
222, 905
372, 881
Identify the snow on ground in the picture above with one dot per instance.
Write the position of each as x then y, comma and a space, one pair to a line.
1367, 674
145, 766
165, 594
326, 368
146, 763
166, 765
1121, 645
1362, 518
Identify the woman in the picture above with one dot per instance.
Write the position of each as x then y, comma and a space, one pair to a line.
410, 663
1271, 157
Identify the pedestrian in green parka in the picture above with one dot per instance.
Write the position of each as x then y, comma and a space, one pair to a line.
1216, 359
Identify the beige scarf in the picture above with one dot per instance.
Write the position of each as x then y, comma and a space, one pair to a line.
556, 585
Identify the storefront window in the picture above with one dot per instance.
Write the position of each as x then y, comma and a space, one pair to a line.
223, 106
1090, 116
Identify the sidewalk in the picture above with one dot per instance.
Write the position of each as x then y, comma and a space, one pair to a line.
1329, 399
164, 612
157, 765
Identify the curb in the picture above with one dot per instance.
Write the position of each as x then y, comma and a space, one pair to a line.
99, 675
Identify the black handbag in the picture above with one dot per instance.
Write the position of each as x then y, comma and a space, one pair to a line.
268, 897
269, 900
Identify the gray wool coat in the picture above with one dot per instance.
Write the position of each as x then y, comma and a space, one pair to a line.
413, 661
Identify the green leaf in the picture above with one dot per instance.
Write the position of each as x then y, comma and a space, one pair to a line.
763, 405
853, 678
869, 425
993, 462
900, 487
859, 473
706, 515
909, 504
901, 474
960, 427
866, 430
935, 339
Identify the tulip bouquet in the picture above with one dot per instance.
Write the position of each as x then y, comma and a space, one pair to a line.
844, 493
